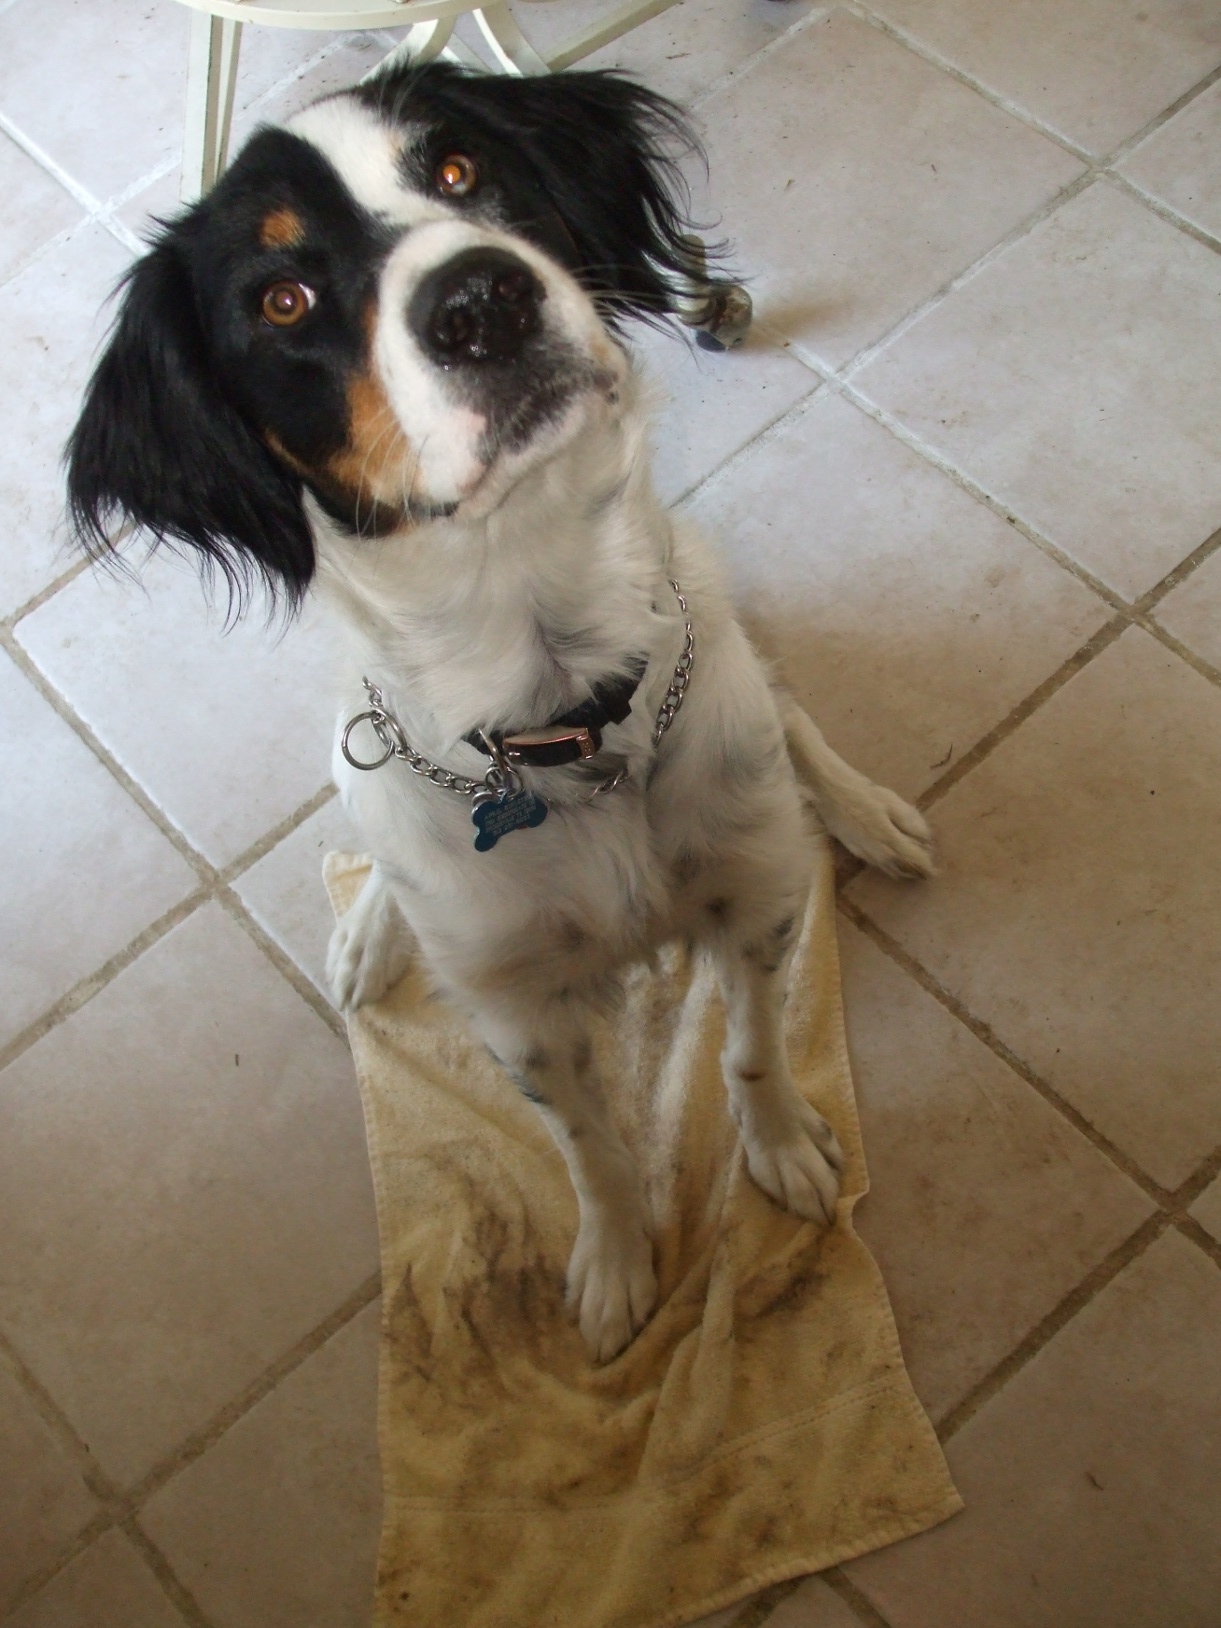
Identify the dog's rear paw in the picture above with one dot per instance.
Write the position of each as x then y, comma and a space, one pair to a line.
370, 949
611, 1285
878, 826
800, 1166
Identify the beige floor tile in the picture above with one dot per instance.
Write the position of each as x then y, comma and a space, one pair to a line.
1180, 163
109, 1586
1079, 909
139, 54
1090, 1480
1192, 611
709, 404
855, 179
45, 1503
907, 617
52, 317
228, 732
1095, 71
1207, 1209
348, 59
284, 891
1078, 379
985, 1208
35, 208
813, 1606
682, 52
277, 1525
184, 1191
71, 835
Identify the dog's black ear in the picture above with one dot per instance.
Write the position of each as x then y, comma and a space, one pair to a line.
158, 445
608, 151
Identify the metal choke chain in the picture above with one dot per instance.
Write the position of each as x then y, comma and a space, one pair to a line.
500, 778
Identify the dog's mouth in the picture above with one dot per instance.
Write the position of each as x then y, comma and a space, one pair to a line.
529, 414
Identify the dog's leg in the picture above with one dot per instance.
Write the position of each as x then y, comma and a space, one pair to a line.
611, 1286
791, 1151
871, 822
371, 946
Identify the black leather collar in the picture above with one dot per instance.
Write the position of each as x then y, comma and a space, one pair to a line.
574, 735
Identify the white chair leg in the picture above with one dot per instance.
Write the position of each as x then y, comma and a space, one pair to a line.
421, 43
211, 78
513, 52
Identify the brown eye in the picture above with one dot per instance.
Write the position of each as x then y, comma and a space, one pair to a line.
457, 176
284, 304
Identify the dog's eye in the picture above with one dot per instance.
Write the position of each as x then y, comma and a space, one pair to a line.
457, 176
285, 303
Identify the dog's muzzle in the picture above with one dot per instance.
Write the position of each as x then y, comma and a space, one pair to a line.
481, 306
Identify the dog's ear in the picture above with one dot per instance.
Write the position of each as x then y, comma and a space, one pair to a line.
608, 152
159, 446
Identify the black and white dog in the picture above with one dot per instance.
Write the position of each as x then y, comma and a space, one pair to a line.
381, 360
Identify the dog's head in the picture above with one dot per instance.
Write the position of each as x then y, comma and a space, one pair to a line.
400, 301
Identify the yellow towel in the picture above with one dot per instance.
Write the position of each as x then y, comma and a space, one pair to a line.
760, 1427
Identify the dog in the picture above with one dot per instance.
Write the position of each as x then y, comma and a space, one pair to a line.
383, 361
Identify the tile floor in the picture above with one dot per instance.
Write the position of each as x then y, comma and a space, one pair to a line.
966, 478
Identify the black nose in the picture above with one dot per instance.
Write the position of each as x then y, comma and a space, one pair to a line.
481, 306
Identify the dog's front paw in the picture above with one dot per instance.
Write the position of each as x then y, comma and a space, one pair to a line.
611, 1284
798, 1163
878, 826
370, 949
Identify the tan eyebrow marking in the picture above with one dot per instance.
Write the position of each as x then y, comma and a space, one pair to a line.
282, 229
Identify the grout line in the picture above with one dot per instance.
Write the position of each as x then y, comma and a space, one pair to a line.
740, 70
171, 1583
756, 1611
37, 1581
271, 839
94, 982
91, 205
987, 743
1130, 143
1016, 233
214, 883
1184, 652
853, 1597
1191, 1229
57, 1422
120, 1509
1152, 597
981, 494
985, 1033
1098, 162
1156, 206
770, 432
202, 867
38, 600
284, 964
1185, 1195
933, 57
1044, 1331
199, 1442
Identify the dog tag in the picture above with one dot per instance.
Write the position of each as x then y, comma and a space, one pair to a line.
495, 820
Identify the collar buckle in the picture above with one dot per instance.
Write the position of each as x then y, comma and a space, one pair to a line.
520, 747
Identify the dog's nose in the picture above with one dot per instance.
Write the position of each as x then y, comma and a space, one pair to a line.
481, 306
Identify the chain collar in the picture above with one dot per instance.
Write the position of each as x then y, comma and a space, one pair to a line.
502, 779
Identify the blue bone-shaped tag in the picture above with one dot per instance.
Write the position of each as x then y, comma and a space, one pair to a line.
496, 820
